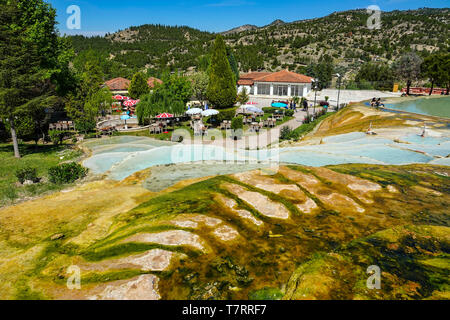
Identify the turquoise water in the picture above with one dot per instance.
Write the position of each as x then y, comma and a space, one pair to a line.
428, 106
122, 156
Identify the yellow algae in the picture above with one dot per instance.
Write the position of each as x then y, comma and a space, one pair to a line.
308, 206
226, 233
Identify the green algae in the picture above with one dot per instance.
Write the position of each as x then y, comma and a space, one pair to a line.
258, 264
266, 294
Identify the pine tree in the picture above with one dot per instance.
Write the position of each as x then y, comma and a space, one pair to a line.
222, 89
138, 86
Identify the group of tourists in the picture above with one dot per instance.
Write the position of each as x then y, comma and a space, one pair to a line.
376, 103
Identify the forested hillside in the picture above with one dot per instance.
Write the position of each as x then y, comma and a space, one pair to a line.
342, 37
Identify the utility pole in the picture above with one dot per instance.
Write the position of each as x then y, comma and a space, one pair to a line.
339, 89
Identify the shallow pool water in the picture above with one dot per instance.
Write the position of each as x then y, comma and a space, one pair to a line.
428, 106
119, 158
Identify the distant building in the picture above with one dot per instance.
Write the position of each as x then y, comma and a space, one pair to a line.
276, 85
153, 81
120, 85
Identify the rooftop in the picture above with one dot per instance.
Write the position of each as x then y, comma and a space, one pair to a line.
283, 76
118, 84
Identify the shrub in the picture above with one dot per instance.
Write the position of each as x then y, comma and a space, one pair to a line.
270, 110
85, 126
92, 135
66, 173
226, 114
57, 136
237, 124
27, 173
285, 133
289, 113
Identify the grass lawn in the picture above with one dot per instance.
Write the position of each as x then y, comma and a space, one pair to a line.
308, 127
41, 157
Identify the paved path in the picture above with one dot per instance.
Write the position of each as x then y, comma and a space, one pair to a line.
265, 138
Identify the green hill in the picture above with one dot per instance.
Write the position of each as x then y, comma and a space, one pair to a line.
342, 35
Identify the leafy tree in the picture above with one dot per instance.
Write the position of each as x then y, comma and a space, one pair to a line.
178, 87
408, 69
85, 104
445, 77
170, 97
28, 59
322, 71
435, 68
221, 91
200, 82
380, 76
138, 86
243, 96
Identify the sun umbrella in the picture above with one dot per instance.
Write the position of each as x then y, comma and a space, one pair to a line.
194, 111
164, 116
118, 97
125, 117
210, 112
126, 98
252, 109
130, 103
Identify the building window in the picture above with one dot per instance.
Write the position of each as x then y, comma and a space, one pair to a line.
280, 90
296, 91
264, 89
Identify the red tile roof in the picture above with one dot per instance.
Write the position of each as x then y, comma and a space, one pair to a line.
245, 82
117, 84
151, 82
283, 76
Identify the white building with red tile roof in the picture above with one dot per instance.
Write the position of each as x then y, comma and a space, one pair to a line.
281, 84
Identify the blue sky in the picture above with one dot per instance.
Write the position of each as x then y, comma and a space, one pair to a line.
101, 16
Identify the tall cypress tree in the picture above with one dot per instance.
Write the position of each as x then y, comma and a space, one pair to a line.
233, 64
221, 91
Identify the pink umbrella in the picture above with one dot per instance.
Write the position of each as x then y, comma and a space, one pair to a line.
126, 98
164, 116
130, 103
118, 97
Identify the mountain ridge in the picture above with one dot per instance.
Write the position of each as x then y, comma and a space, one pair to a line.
343, 36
